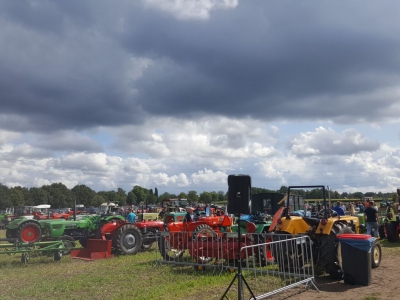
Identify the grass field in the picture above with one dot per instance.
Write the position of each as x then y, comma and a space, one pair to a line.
122, 277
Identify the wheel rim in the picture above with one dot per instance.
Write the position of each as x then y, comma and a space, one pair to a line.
376, 255
30, 234
129, 241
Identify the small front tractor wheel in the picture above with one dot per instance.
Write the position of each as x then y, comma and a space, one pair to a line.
68, 242
127, 240
57, 255
203, 232
29, 232
25, 258
376, 254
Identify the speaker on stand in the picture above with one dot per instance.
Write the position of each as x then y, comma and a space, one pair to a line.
239, 202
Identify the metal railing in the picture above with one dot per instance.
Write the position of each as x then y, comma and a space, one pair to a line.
270, 263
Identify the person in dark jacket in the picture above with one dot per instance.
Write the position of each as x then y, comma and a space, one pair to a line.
371, 217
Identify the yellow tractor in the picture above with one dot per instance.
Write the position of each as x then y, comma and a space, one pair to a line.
323, 227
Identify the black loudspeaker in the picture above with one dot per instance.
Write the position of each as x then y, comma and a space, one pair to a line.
239, 194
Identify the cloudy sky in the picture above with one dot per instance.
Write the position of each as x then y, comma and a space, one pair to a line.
179, 94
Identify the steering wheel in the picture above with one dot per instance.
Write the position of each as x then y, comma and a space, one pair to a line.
329, 213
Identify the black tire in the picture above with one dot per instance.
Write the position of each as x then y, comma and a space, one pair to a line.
167, 252
68, 242
57, 256
148, 241
29, 232
83, 242
288, 255
265, 255
391, 232
382, 233
25, 258
376, 255
203, 232
328, 250
127, 240
11, 234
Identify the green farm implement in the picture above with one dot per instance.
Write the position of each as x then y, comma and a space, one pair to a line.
56, 249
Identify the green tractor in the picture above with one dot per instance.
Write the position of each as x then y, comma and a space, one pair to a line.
31, 231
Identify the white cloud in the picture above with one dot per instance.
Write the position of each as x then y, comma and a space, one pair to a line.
191, 9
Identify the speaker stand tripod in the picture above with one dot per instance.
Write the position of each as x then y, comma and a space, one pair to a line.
239, 275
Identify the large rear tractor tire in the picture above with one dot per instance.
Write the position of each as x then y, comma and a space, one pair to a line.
29, 232
376, 254
167, 251
127, 240
328, 250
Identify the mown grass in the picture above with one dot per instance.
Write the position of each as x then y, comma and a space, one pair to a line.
122, 277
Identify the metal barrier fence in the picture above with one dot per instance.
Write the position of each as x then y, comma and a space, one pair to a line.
270, 263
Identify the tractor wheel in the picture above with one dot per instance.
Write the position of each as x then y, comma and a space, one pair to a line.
83, 242
203, 232
57, 255
391, 232
328, 250
29, 232
11, 234
25, 258
167, 251
148, 241
265, 255
127, 240
376, 254
382, 233
288, 255
68, 242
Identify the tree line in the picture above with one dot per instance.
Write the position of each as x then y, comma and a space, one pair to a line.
59, 196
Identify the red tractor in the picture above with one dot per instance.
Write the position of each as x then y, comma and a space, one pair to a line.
128, 238
181, 234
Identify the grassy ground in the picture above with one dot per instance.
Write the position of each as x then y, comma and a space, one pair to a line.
122, 277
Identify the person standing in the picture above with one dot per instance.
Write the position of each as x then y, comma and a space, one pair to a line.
338, 208
131, 216
371, 217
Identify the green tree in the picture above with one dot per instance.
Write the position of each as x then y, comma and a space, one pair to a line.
38, 196
5, 200
192, 197
182, 195
131, 199
83, 194
205, 197
283, 189
222, 197
121, 196
97, 200
59, 195
17, 196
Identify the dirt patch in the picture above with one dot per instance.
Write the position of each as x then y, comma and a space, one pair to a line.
384, 284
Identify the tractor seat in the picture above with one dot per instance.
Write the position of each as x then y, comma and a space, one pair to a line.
311, 221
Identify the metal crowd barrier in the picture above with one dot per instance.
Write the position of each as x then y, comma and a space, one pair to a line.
270, 263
